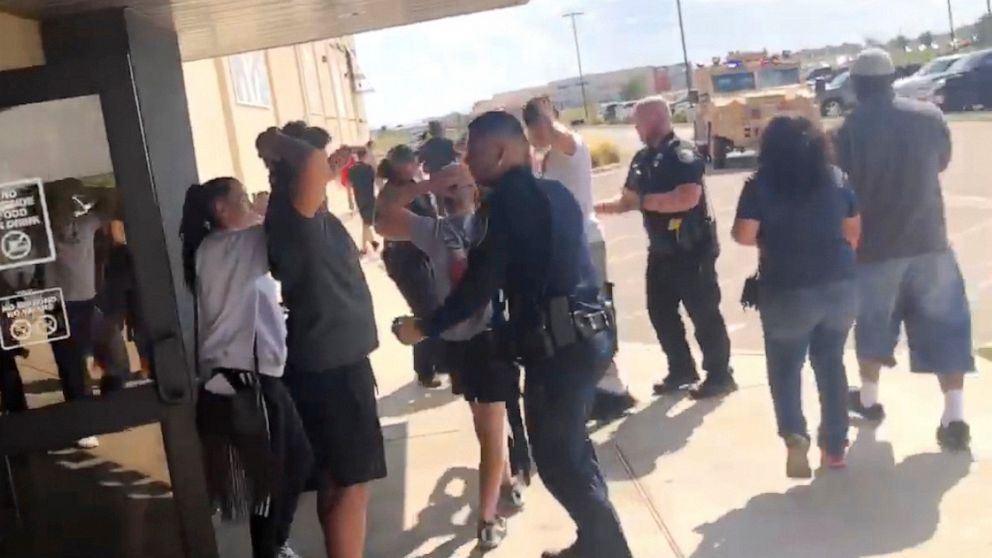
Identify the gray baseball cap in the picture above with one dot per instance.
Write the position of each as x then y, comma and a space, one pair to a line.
873, 62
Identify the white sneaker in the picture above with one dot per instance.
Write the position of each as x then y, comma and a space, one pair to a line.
89, 442
491, 534
511, 497
287, 552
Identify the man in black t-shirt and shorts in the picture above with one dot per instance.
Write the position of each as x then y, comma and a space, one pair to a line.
331, 332
361, 175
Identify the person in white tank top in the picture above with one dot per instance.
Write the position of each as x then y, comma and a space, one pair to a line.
567, 159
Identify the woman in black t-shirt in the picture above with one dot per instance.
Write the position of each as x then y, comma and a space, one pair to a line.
331, 331
799, 212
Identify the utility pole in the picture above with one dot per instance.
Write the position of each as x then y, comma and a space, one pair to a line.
950, 18
578, 57
685, 51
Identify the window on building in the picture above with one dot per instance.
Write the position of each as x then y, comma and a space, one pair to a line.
250, 77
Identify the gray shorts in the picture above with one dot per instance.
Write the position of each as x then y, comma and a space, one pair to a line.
926, 294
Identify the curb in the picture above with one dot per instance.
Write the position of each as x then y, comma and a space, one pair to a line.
605, 169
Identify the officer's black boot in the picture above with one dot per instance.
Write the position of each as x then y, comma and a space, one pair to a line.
676, 382
715, 385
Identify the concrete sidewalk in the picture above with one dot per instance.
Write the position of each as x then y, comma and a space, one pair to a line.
701, 480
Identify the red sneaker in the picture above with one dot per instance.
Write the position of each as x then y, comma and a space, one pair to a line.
830, 461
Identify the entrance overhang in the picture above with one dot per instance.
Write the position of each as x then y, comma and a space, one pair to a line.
210, 28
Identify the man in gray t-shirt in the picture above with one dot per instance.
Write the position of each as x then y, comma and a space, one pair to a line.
893, 151
447, 241
480, 370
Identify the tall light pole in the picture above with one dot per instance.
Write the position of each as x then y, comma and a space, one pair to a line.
578, 57
685, 51
950, 18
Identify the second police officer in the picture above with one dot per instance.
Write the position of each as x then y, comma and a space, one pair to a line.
666, 183
535, 251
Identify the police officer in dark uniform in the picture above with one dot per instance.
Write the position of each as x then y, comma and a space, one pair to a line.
666, 183
535, 251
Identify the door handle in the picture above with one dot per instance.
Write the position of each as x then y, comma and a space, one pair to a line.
171, 378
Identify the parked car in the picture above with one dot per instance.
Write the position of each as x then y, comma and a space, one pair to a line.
837, 96
907, 70
968, 84
618, 112
823, 72
924, 83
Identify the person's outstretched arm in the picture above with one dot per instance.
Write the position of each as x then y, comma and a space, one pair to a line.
393, 219
628, 200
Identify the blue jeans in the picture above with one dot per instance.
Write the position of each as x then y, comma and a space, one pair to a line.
558, 398
816, 321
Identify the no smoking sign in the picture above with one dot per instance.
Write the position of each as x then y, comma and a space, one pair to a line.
25, 227
33, 317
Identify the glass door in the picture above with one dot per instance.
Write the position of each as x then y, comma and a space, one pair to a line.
98, 449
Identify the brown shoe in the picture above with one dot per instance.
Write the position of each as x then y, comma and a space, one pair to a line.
797, 457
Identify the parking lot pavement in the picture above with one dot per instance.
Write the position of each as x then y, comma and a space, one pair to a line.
967, 195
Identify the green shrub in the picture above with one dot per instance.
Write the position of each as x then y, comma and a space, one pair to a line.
604, 152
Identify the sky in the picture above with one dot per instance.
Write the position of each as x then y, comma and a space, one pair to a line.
433, 68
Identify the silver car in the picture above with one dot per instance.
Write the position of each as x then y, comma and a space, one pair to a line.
924, 83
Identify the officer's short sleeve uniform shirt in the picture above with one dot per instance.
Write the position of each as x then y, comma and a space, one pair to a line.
658, 171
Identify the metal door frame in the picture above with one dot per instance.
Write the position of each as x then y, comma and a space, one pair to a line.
170, 401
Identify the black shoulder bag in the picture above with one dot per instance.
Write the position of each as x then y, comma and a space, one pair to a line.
752, 285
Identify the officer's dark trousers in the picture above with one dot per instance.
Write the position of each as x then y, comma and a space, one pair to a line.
692, 282
410, 269
558, 398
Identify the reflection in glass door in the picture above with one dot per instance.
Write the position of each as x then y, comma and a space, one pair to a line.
73, 333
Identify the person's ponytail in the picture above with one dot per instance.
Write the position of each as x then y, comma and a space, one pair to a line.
199, 220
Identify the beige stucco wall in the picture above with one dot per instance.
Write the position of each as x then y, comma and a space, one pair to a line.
20, 43
211, 137
224, 131
284, 74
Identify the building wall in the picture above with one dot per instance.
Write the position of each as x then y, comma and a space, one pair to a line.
233, 99
20, 43
284, 75
207, 108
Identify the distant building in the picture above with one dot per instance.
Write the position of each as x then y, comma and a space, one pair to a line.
511, 101
600, 88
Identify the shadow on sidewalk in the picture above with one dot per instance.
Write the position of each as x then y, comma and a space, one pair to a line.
875, 507
74, 503
447, 523
414, 398
652, 432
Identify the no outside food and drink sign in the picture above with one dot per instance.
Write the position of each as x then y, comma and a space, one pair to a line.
25, 228
32, 316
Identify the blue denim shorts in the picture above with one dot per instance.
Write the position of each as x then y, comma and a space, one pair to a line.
926, 293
